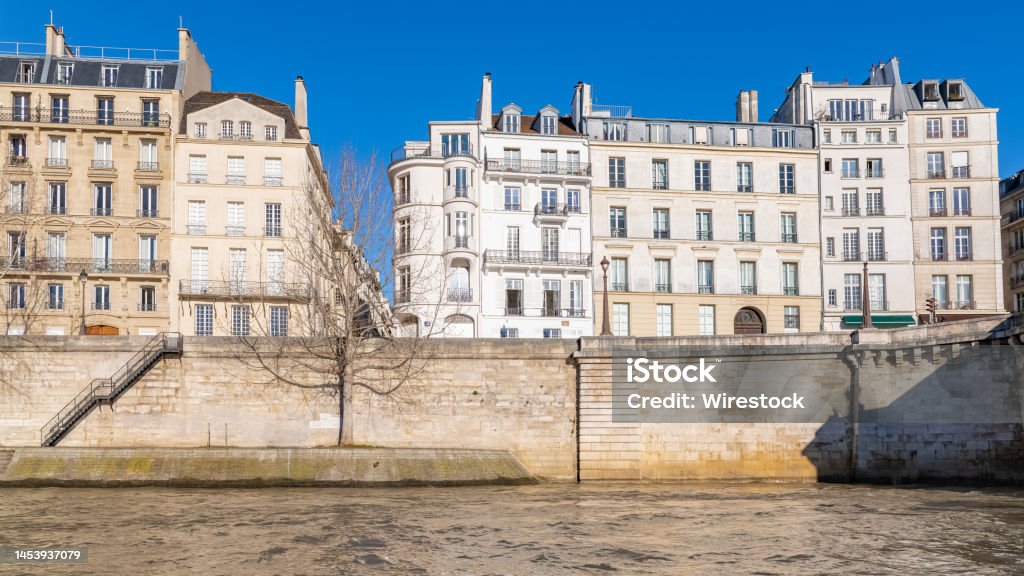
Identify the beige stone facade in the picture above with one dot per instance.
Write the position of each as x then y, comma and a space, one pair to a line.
87, 186
1011, 194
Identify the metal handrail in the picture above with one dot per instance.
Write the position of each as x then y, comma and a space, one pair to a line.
108, 389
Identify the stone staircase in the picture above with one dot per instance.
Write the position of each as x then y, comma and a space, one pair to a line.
5, 460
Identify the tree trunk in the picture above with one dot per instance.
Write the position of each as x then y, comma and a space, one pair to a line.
341, 408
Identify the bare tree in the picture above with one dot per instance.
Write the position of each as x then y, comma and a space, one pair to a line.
340, 254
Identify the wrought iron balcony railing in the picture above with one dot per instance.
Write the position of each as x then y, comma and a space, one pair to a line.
243, 289
101, 211
234, 230
426, 152
662, 287
236, 179
936, 174
101, 305
148, 166
789, 238
272, 231
877, 255
272, 180
746, 237
705, 289
542, 209
103, 164
55, 210
197, 178
147, 306
751, 289
875, 211
143, 213
196, 229
18, 161
538, 167
704, 235
85, 117
851, 256
618, 233
661, 235
57, 162
960, 172
546, 257
460, 295
790, 290
513, 207
851, 211
619, 286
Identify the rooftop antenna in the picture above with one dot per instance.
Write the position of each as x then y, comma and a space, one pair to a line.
51, 17
181, 22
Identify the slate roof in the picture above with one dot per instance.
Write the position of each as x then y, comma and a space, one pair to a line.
87, 72
915, 96
526, 125
202, 100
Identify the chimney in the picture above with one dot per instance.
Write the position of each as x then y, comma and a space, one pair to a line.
55, 45
746, 106
483, 106
184, 43
300, 107
753, 106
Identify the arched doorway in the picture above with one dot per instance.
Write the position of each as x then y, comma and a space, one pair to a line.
459, 326
748, 321
408, 325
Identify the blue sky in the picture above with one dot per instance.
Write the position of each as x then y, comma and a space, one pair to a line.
378, 71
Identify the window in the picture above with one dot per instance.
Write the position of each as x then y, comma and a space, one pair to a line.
551, 298
874, 168
702, 175
512, 199
931, 91
576, 298
572, 200
236, 219
56, 250
548, 125
147, 298
507, 332
876, 292
270, 133
826, 136
958, 127
936, 165
16, 197
278, 320
962, 242
851, 202
748, 278
20, 108
787, 179
455, 144
204, 319
154, 78
659, 218
239, 320
787, 227
892, 136
614, 131
236, 170
851, 245
703, 225
832, 302
791, 317
964, 292
56, 198
851, 168
512, 242
549, 200
876, 244
705, 277
272, 172
108, 75
59, 110
552, 332
227, 129
26, 73
196, 217
663, 314
782, 138
16, 248
101, 297
237, 269
955, 91
617, 172
57, 152
873, 199
148, 155
245, 130
102, 201
744, 177
659, 174
827, 165
873, 136
1018, 302
148, 202
959, 164
937, 239
700, 134
619, 274
790, 279
151, 113
549, 243
620, 319
706, 320
510, 123
513, 297
662, 275
933, 128
64, 71
617, 222
657, 133
742, 136
937, 202
852, 299
940, 290
548, 161
55, 297
572, 163
830, 247
745, 226
197, 169
273, 220
961, 201
16, 296
849, 136
18, 150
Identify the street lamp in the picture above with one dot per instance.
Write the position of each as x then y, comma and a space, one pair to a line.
606, 325
867, 299
83, 277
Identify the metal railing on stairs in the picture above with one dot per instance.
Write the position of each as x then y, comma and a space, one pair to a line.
107, 390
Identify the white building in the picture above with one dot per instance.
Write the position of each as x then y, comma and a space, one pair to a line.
492, 223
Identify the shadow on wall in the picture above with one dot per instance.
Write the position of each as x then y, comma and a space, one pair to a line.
948, 413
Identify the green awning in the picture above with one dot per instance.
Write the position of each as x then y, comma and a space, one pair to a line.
880, 321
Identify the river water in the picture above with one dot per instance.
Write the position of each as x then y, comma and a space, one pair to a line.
556, 529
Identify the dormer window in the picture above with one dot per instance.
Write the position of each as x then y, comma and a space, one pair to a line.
956, 91
154, 77
64, 70
614, 131
510, 123
26, 73
548, 125
270, 133
931, 91
245, 130
108, 75
227, 129
200, 129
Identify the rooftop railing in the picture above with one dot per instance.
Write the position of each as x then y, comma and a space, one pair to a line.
92, 52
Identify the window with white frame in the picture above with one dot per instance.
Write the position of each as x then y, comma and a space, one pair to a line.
552, 332
662, 275
787, 179
227, 129
510, 123
617, 172
108, 75
620, 319
154, 77
663, 315
790, 279
614, 131
245, 130
240, 320
851, 291
236, 219
548, 125
782, 138
278, 320
204, 319
787, 227
659, 174
702, 175
791, 317
270, 133
958, 127
933, 128
657, 133
196, 217
199, 129
706, 319
744, 177
272, 171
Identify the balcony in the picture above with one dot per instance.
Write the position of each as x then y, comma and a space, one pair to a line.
16, 209
665, 288
963, 305
55, 210
101, 211
850, 174
85, 117
196, 229
197, 178
704, 235
234, 231
749, 289
543, 258
790, 290
746, 237
542, 209
276, 181
851, 211
939, 256
236, 179
661, 235
937, 211
705, 289
875, 211
936, 174
457, 193
789, 238
963, 255
619, 287
46, 264
551, 312
851, 256
272, 231
513, 207
147, 307
874, 173
243, 289
461, 295
413, 152
57, 162
538, 167
18, 161
16, 304
403, 247
101, 305
102, 164
54, 304
618, 233
960, 172
148, 167
877, 256
402, 297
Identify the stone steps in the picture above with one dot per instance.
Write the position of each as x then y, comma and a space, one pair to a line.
5, 460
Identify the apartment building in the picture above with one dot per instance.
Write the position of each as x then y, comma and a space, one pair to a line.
708, 227
248, 179
87, 183
862, 134
492, 223
1011, 195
